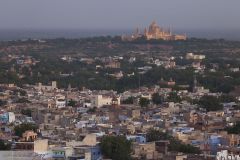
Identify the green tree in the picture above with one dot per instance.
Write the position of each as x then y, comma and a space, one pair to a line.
22, 93
27, 112
156, 98
155, 135
4, 145
234, 129
20, 129
129, 100
173, 97
225, 98
2, 102
22, 100
174, 144
72, 103
92, 110
116, 147
210, 103
144, 102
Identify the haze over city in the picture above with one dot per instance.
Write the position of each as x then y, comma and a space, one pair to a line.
124, 14
73, 19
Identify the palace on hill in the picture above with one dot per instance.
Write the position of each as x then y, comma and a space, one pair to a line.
155, 32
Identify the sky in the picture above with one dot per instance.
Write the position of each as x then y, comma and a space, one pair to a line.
119, 14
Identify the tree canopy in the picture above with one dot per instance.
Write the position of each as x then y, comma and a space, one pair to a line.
4, 145
234, 129
129, 100
173, 97
156, 98
20, 129
144, 102
174, 144
27, 112
116, 147
72, 103
210, 103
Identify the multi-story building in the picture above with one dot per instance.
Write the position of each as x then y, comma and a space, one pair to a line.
192, 56
101, 100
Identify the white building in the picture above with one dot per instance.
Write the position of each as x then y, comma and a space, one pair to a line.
87, 104
100, 100
224, 155
195, 56
11, 117
60, 101
234, 69
146, 95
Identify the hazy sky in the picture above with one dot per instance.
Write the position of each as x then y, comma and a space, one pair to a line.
119, 14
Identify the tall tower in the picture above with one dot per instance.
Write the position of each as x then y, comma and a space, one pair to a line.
169, 31
137, 31
69, 87
54, 85
146, 33
115, 102
195, 83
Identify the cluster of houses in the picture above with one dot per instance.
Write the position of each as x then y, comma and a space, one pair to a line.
71, 122
73, 131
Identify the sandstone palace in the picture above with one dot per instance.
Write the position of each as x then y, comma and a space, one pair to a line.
155, 32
